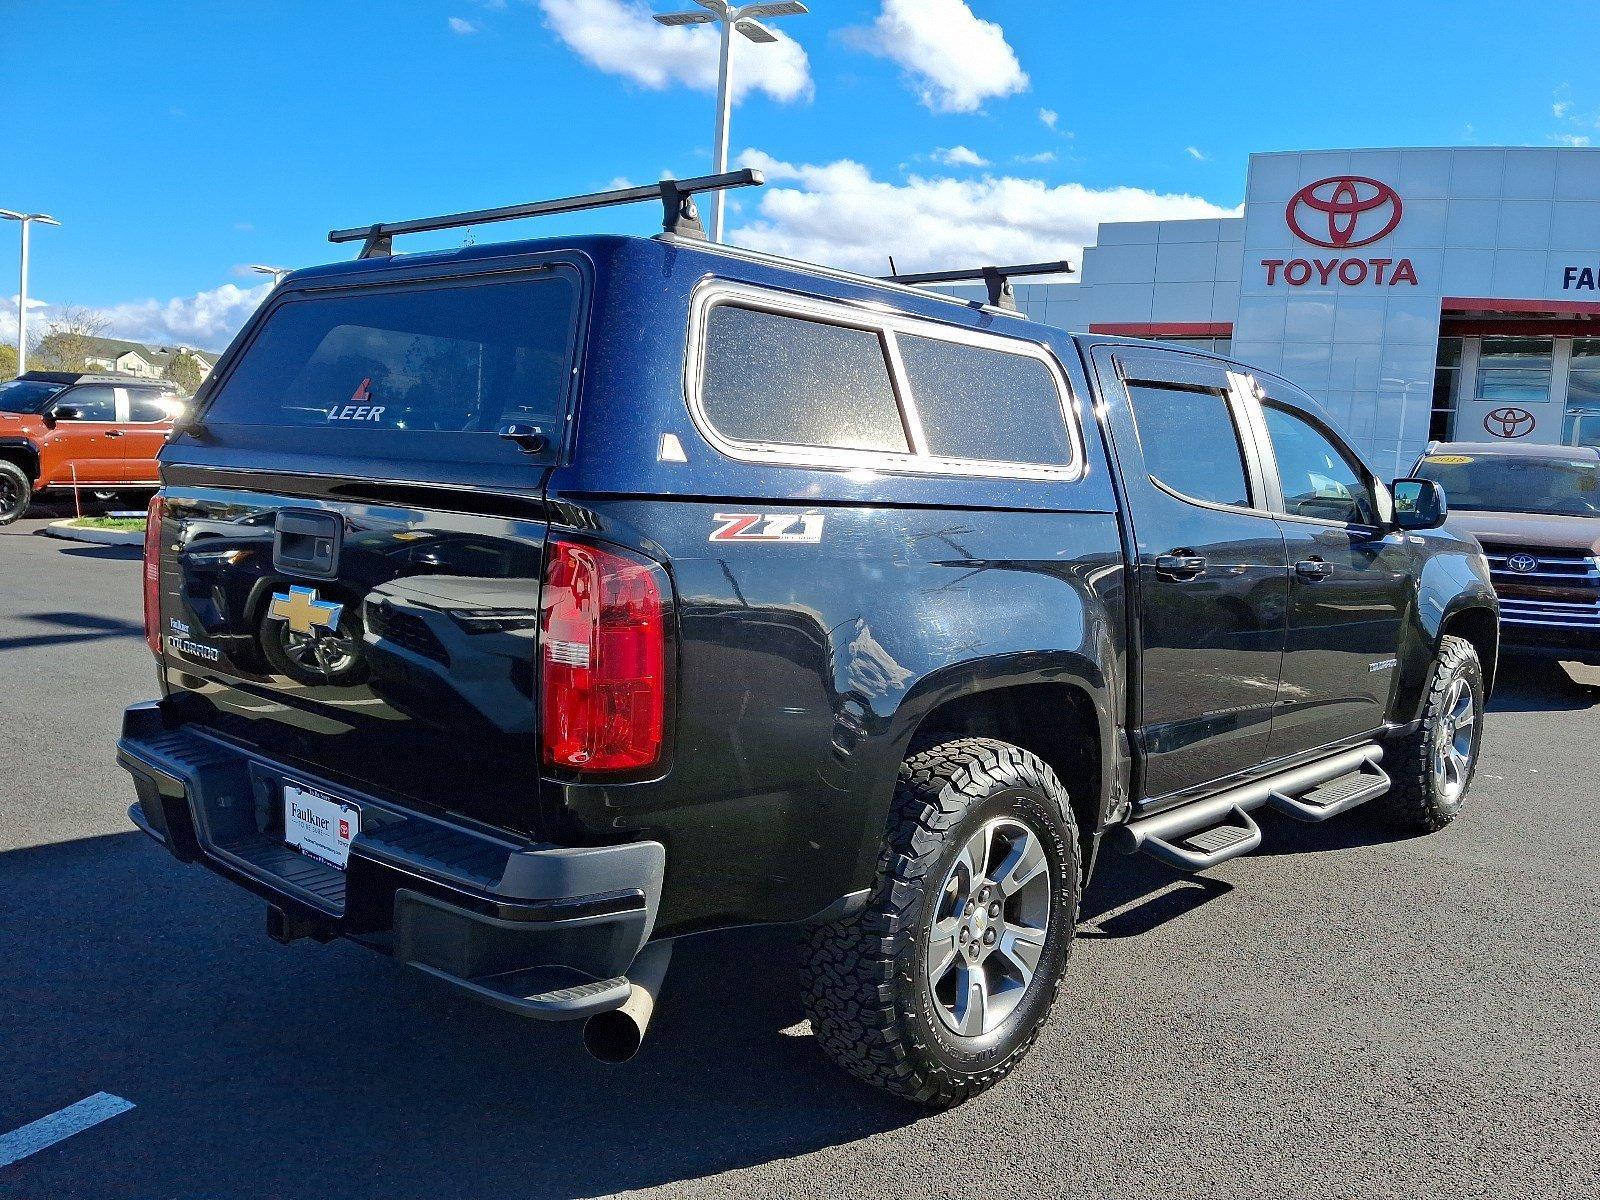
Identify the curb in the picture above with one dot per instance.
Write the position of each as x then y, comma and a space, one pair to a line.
100, 537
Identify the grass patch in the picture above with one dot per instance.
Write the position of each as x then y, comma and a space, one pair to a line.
124, 524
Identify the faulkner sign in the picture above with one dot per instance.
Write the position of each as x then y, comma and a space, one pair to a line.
1580, 279
1341, 213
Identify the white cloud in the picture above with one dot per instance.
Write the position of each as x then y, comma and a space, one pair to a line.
959, 156
955, 60
1050, 117
206, 320
1044, 156
839, 214
1571, 139
463, 26
1197, 154
618, 37
1560, 109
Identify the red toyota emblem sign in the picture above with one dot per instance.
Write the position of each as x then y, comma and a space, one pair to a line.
1509, 422
1344, 211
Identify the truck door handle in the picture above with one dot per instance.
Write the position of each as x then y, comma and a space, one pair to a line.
113, 433
1313, 569
1180, 567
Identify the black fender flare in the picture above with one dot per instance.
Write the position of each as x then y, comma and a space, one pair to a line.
24, 452
1474, 609
1099, 684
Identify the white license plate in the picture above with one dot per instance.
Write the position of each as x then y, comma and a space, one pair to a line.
319, 826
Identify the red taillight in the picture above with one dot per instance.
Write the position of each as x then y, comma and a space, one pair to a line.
152, 574
602, 650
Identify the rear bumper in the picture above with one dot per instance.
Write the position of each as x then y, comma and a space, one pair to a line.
544, 931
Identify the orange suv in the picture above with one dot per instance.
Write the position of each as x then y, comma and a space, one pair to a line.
62, 429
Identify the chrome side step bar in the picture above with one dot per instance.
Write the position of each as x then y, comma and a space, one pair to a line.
1213, 830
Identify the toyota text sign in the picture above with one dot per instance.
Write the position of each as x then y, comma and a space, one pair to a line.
1342, 212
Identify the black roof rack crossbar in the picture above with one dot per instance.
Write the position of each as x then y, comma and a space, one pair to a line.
998, 279
680, 216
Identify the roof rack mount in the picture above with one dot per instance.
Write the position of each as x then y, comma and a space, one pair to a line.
998, 279
679, 215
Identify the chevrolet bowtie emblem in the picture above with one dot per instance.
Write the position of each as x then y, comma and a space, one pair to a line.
303, 612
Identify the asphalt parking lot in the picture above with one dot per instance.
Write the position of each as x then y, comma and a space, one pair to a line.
1343, 1014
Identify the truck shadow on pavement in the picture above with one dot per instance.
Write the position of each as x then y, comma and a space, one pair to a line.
1542, 685
64, 627
263, 1070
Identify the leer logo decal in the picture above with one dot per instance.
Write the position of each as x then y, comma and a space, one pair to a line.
303, 611
1509, 422
360, 407
1344, 211
767, 527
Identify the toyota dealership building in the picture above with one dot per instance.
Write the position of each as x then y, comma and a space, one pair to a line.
1450, 294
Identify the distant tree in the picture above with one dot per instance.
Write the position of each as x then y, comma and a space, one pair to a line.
8, 361
183, 370
67, 341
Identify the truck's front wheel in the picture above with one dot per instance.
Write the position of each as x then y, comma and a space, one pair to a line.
1432, 767
16, 492
939, 986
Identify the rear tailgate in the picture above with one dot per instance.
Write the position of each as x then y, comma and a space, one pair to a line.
351, 556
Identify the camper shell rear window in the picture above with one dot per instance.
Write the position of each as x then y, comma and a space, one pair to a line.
447, 357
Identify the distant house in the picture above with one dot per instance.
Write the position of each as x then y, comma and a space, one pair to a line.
136, 358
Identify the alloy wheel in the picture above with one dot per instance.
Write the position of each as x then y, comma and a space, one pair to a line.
1453, 741
989, 928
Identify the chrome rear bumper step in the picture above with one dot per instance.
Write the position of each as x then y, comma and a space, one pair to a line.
1211, 831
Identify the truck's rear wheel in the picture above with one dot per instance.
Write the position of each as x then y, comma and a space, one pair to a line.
1432, 768
16, 492
939, 986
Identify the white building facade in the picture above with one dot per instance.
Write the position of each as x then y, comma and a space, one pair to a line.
1426, 293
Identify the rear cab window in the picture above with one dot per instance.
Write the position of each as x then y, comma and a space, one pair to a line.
426, 368
814, 384
1191, 443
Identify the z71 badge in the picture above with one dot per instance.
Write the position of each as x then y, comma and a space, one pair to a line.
767, 527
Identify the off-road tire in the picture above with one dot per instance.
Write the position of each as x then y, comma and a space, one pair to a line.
16, 491
1414, 803
865, 990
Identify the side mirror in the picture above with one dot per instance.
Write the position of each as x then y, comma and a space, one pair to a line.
1419, 504
66, 412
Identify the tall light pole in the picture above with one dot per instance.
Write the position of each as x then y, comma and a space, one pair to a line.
24, 219
732, 18
277, 273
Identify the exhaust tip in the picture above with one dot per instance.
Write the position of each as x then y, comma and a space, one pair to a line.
612, 1037
615, 1036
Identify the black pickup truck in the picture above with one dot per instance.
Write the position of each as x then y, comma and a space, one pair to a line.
522, 608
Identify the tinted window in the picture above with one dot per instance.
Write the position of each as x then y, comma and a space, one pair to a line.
1190, 443
790, 381
26, 395
1319, 477
147, 407
449, 359
977, 403
94, 403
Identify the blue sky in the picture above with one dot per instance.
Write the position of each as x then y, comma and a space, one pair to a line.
178, 142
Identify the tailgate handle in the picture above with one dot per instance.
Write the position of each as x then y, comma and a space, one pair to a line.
306, 542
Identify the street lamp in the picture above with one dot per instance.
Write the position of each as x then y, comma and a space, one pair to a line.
24, 219
277, 273
732, 18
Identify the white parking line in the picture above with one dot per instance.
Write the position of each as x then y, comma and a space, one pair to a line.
58, 1126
